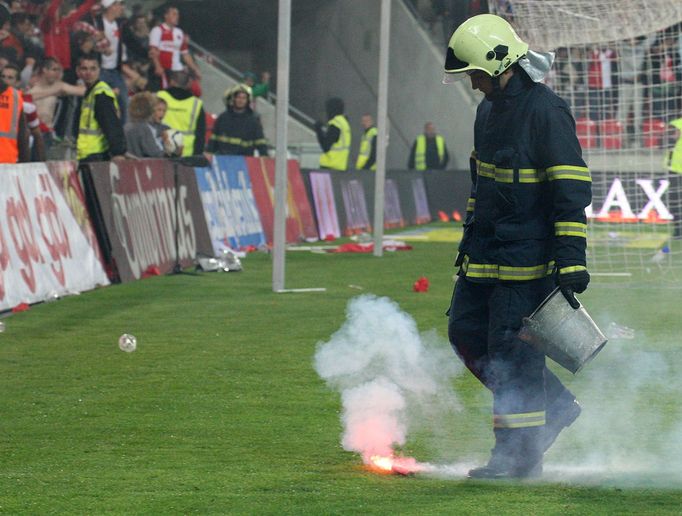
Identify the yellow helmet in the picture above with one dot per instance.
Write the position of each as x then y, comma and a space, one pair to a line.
485, 42
230, 92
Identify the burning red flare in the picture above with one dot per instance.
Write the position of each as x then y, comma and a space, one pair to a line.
392, 464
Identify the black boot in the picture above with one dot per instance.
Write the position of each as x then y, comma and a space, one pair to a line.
560, 414
495, 470
516, 455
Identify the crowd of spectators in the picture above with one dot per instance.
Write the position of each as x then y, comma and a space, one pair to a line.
42, 43
634, 85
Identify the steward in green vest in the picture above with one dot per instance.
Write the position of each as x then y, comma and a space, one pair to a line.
100, 132
368, 146
674, 165
185, 113
429, 151
335, 137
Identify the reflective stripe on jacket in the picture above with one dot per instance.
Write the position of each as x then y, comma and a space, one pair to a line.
11, 107
91, 139
183, 115
336, 157
526, 212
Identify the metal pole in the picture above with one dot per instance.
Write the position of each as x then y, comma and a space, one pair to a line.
279, 226
382, 126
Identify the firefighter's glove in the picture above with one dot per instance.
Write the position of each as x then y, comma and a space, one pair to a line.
573, 282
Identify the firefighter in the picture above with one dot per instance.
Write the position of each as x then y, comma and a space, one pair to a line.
525, 230
237, 131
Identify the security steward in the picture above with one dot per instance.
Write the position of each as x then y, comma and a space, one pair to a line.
185, 113
237, 130
429, 151
525, 230
334, 137
14, 136
100, 132
367, 154
674, 165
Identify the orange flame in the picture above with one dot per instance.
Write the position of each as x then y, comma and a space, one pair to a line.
392, 464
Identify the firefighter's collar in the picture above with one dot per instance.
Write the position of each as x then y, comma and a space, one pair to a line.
513, 88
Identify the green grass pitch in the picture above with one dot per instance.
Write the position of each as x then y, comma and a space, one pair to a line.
219, 411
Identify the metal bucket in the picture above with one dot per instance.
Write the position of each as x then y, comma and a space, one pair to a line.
567, 335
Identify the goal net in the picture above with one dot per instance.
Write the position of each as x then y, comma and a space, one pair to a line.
619, 66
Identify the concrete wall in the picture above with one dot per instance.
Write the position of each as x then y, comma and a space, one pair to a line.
335, 52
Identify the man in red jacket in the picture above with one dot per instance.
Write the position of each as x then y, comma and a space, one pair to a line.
56, 28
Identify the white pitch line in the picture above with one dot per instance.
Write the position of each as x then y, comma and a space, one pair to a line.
293, 290
612, 274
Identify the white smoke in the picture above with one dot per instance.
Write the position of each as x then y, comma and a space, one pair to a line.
630, 429
392, 379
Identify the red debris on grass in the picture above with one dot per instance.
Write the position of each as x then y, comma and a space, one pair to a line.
152, 270
421, 285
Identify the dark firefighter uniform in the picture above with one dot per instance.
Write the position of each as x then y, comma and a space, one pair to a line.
525, 223
237, 133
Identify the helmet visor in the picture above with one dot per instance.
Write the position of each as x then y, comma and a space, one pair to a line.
452, 78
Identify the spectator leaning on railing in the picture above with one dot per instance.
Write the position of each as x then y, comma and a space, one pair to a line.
141, 135
49, 92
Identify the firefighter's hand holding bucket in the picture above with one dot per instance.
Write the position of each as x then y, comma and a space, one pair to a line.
573, 282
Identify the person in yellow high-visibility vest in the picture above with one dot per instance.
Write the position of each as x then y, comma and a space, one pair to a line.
100, 132
429, 151
185, 113
367, 154
674, 165
334, 136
